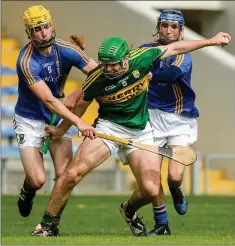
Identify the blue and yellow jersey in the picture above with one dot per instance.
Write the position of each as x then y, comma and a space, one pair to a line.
53, 69
175, 96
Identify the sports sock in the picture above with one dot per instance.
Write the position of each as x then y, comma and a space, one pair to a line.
173, 189
160, 215
28, 189
49, 220
56, 220
129, 210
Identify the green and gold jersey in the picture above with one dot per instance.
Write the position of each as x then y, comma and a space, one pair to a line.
123, 100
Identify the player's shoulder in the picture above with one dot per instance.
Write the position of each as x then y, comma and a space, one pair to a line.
182, 57
26, 49
187, 55
96, 72
26, 55
152, 43
144, 52
64, 45
70, 51
95, 76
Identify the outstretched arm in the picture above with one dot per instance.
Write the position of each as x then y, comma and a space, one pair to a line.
59, 131
185, 46
42, 91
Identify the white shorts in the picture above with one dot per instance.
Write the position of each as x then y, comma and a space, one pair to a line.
30, 133
172, 128
113, 129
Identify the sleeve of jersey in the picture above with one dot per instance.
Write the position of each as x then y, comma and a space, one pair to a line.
76, 56
149, 55
28, 71
184, 62
145, 45
88, 89
152, 54
171, 75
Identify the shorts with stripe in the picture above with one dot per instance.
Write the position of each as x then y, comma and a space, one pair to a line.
173, 128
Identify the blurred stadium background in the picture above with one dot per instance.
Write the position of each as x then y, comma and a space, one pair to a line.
213, 81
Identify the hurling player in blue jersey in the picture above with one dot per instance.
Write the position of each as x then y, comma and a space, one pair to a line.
123, 113
171, 103
42, 67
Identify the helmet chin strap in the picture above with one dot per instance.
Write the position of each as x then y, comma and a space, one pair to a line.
46, 44
165, 42
124, 65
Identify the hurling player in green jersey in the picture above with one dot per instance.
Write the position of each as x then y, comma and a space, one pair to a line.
119, 84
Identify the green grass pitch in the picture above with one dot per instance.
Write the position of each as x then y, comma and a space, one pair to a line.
97, 220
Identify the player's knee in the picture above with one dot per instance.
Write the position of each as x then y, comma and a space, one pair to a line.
151, 189
76, 173
72, 176
175, 173
59, 173
175, 177
38, 181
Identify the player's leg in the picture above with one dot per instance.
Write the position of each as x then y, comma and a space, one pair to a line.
175, 179
146, 170
159, 124
61, 153
183, 133
29, 142
147, 182
90, 154
161, 226
32, 162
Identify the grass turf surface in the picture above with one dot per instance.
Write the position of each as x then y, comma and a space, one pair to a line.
97, 220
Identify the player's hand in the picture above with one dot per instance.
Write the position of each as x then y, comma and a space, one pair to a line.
54, 132
78, 41
87, 130
150, 76
221, 38
71, 101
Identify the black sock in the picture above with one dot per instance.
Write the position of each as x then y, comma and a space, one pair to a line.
56, 220
129, 210
49, 220
28, 189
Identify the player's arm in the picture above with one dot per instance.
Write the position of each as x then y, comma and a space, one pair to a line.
178, 66
59, 131
84, 101
76, 57
42, 91
184, 46
29, 74
79, 110
172, 74
90, 66
71, 100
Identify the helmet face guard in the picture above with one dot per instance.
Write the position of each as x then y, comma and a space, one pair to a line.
113, 51
37, 17
116, 74
170, 16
